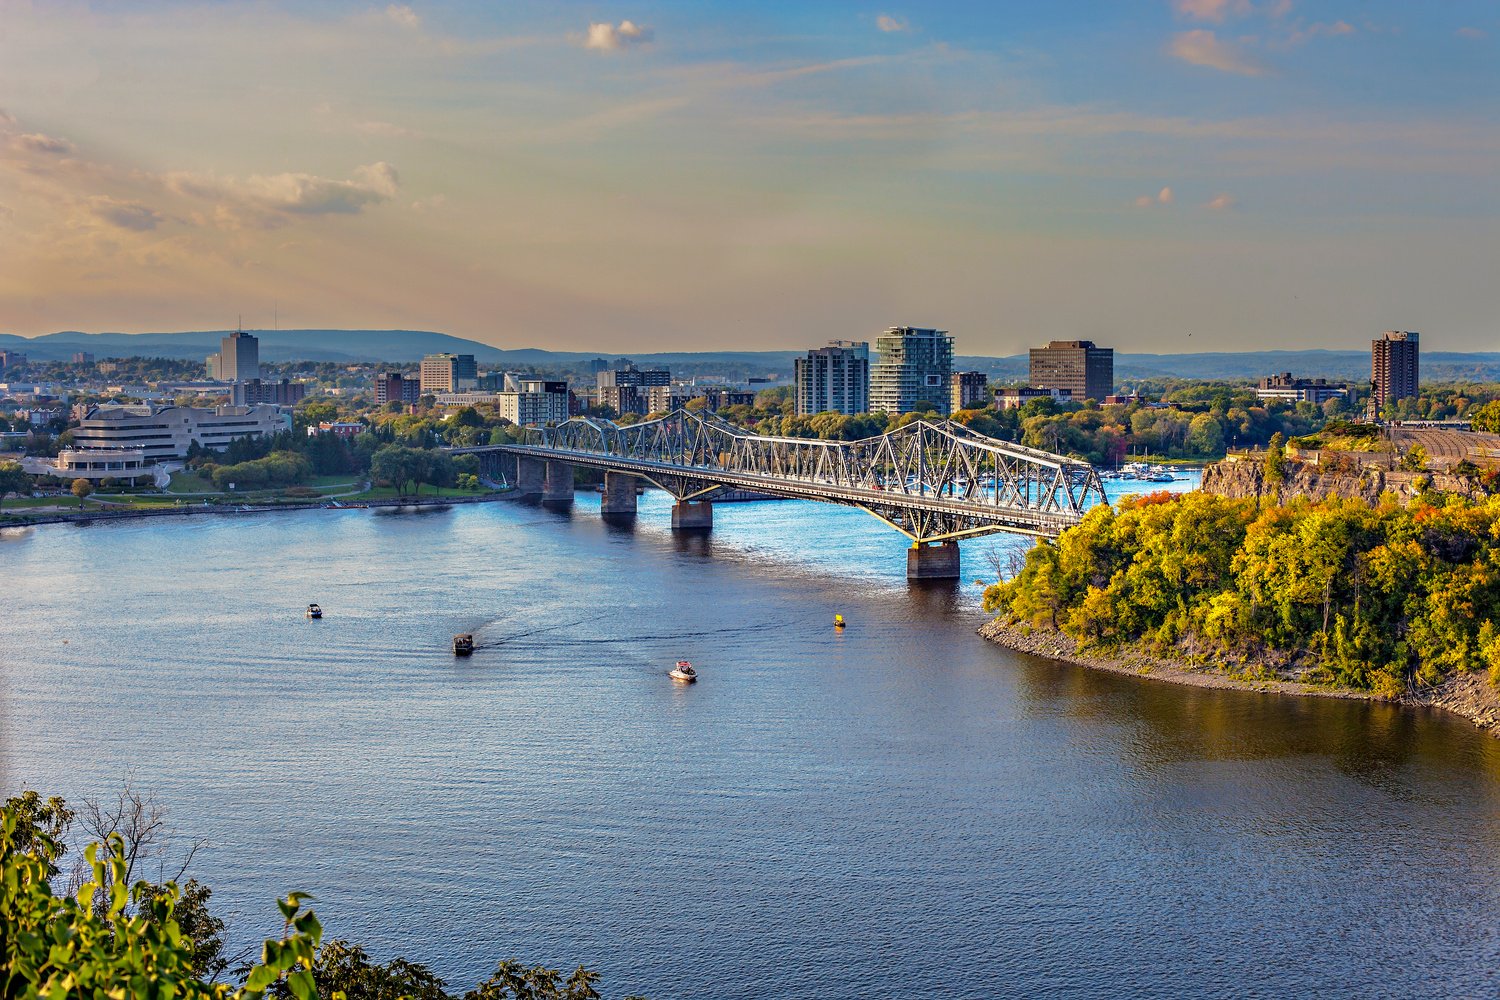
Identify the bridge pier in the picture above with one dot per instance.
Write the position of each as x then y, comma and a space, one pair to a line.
618, 500
932, 561
692, 515
558, 485
530, 476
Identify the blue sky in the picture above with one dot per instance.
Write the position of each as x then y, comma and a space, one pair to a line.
1160, 176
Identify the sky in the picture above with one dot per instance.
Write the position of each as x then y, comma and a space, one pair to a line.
1154, 175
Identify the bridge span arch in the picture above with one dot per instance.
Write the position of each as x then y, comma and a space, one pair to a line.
934, 481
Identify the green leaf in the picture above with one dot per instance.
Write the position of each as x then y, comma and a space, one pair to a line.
302, 985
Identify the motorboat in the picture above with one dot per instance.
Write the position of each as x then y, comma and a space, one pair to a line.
838, 621
313, 611
463, 644
683, 672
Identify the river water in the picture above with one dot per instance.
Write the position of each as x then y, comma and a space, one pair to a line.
899, 810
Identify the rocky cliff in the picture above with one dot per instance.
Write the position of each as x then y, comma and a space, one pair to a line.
1244, 479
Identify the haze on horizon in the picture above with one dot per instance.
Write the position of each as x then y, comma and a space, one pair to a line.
1161, 175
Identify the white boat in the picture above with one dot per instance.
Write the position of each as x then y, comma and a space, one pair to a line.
683, 672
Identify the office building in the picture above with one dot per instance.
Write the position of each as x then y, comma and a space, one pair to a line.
282, 393
1087, 371
82, 358
969, 390
1393, 368
169, 431
628, 374
836, 377
915, 367
448, 373
10, 359
239, 358
395, 387
338, 428
1283, 388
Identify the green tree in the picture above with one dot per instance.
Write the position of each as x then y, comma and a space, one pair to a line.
13, 479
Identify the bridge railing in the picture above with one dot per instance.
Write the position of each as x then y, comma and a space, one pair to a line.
922, 460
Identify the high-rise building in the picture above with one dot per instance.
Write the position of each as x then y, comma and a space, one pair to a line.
239, 358
836, 377
448, 373
9, 359
915, 367
629, 374
395, 387
970, 391
1393, 367
82, 358
623, 398
1078, 365
283, 393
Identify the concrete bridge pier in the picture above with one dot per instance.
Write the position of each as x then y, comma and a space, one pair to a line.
930, 561
692, 515
530, 477
558, 484
618, 500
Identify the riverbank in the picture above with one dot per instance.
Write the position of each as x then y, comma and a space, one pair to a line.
227, 508
1469, 694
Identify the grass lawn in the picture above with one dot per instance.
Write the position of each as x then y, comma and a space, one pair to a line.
190, 482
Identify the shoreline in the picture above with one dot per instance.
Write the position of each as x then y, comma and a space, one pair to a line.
87, 517
1467, 695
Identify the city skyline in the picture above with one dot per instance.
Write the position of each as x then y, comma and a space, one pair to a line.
1162, 177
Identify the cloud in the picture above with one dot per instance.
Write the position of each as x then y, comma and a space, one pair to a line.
1162, 197
1219, 202
292, 193
1202, 47
606, 37
35, 142
1468, 32
1211, 10
130, 215
889, 23
401, 14
1302, 35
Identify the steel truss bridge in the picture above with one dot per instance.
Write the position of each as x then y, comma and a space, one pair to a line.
934, 482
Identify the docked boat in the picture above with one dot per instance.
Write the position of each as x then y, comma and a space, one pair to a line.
313, 611
463, 644
683, 672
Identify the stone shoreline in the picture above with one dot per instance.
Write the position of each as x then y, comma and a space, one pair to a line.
228, 508
1468, 695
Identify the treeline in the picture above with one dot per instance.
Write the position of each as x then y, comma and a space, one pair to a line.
1386, 599
108, 934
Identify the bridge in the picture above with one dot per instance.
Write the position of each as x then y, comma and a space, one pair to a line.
934, 481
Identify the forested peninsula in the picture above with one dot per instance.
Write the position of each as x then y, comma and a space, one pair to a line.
1392, 600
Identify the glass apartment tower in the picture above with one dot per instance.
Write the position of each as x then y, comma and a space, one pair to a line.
915, 366
836, 377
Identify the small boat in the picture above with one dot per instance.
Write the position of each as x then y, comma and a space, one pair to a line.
463, 644
838, 621
683, 672
313, 611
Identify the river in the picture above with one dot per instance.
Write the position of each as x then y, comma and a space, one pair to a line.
901, 809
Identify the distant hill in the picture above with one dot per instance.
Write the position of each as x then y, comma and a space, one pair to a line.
411, 345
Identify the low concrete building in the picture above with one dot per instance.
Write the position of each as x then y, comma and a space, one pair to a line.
1014, 399
1300, 390
166, 432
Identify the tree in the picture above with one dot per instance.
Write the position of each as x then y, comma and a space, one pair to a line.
13, 479
81, 489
